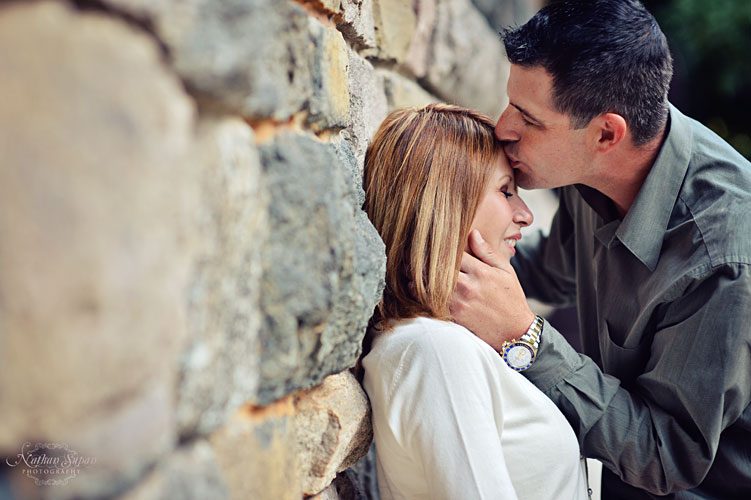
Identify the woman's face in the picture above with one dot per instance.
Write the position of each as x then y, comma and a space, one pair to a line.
501, 213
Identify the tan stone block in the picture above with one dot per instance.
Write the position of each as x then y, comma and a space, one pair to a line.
402, 92
256, 453
333, 429
329, 105
395, 24
94, 134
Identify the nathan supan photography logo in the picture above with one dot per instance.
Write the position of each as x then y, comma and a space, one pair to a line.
50, 464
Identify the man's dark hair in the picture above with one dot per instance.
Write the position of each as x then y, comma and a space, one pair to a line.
604, 56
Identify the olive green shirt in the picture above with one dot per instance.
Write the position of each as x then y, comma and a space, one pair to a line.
660, 393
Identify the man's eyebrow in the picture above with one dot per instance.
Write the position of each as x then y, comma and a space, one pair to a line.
527, 114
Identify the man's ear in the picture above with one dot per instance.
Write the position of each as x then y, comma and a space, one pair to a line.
608, 131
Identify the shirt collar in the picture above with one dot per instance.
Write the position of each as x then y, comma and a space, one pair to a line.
642, 229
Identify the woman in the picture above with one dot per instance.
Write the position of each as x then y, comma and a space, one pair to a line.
451, 419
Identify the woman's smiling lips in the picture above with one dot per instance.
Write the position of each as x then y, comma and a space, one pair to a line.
511, 242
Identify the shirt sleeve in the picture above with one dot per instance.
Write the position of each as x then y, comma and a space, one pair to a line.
446, 400
546, 265
662, 432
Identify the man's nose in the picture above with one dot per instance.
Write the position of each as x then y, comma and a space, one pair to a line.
504, 129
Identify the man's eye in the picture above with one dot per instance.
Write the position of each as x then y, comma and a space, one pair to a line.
526, 122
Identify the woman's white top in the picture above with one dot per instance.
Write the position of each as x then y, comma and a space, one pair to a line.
453, 421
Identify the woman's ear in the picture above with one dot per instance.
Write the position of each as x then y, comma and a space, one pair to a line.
608, 131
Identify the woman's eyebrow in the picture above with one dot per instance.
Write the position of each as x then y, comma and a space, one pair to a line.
505, 177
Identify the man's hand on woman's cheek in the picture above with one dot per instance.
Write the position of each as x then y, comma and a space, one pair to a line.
488, 300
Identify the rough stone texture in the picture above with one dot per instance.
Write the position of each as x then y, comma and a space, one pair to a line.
160, 275
402, 92
329, 104
418, 55
367, 102
365, 476
246, 56
93, 262
395, 23
190, 473
466, 62
344, 487
333, 428
354, 18
329, 493
256, 453
316, 303
219, 369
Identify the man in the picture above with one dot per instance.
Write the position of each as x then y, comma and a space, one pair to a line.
652, 241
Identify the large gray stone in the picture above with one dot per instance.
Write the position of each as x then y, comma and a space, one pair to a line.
466, 63
323, 268
94, 140
368, 107
246, 56
219, 368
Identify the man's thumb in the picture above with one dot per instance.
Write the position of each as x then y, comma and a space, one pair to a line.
482, 250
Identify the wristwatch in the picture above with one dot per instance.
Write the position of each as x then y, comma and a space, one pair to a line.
519, 354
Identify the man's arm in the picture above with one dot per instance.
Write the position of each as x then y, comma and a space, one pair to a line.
661, 434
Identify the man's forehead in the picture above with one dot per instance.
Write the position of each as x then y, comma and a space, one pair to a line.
530, 87
530, 91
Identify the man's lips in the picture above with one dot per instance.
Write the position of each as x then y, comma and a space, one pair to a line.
513, 162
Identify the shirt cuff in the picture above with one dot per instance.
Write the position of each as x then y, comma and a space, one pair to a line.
555, 360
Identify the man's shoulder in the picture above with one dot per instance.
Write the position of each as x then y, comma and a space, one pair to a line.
716, 195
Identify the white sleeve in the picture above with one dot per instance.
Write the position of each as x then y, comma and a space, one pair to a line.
446, 397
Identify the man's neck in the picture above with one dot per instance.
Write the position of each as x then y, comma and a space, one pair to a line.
624, 176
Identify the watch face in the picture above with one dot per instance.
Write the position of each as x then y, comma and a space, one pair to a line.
519, 356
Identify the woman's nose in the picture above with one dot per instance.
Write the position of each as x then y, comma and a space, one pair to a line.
522, 214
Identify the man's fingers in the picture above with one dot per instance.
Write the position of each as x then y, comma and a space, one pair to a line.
482, 250
469, 263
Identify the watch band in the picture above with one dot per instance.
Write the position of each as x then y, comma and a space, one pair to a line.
534, 332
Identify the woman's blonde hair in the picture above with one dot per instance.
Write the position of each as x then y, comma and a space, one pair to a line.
425, 174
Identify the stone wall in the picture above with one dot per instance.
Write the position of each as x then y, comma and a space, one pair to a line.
185, 270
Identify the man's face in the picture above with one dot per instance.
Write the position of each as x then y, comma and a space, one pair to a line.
540, 143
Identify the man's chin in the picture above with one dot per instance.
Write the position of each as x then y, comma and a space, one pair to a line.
525, 181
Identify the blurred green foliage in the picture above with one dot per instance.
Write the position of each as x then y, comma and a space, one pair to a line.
711, 45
